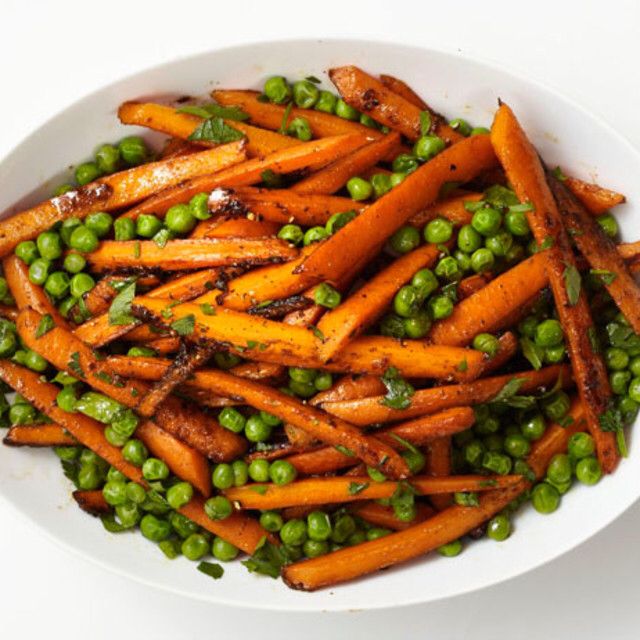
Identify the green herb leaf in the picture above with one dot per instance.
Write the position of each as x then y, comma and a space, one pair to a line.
211, 569
356, 487
271, 179
184, 326
268, 560
211, 110
532, 352
425, 123
162, 237
606, 277
405, 443
259, 488
462, 366
313, 79
285, 119
215, 130
508, 395
547, 243
316, 332
593, 339
70, 469
208, 309
501, 197
403, 502
45, 325
474, 205
344, 451
399, 391
572, 283
75, 366
557, 173
488, 483
623, 337
110, 524
120, 309
136, 249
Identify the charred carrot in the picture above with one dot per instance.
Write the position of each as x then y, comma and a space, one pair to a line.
595, 198
350, 387
381, 516
403, 90
453, 209
235, 228
92, 501
42, 435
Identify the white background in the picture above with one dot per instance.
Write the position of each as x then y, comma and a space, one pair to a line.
52, 53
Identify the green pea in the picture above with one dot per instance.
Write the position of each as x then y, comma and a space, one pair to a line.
240, 472
326, 102
463, 260
291, 233
223, 550
67, 453
147, 225
461, 126
35, 361
27, 251
128, 514
486, 221
559, 469
396, 178
406, 302
548, 333
135, 493
133, 150
301, 389
80, 284
497, 462
514, 254
628, 408
155, 469
545, 498
323, 381
83, 239
259, 470
451, 549
22, 413
553, 355
359, 188
486, 425
218, 508
179, 494
271, 521
499, 528
89, 477
114, 438
305, 94
115, 492
222, 476
474, 452
392, 326
124, 229
315, 548
99, 222
517, 446
440, 307
634, 366
294, 532
557, 406
57, 284
87, 172
315, 234
405, 163
634, 390
516, 223
357, 537
107, 158
231, 419
89, 457
438, 231
318, 526
425, 282
478, 131
301, 129
282, 472
343, 527
426, 147
199, 206
381, 183
620, 382
405, 239
339, 220
418, 326
588, 470
182, 525
326, 296
346, 111
608, 224
499, 244
533, 427
482, 260
154, 529
49, 245
494, 443
256, 430
170, 548
277, 89
66, 399
377, 532
486, 343
39, 271
581, 445
368, 121
8, 343
75, 263
195, 546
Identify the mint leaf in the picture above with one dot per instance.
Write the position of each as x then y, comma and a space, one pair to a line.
215, 130
120, 309
213, 110
572, 283
532, 352
399, 391
356, 487
184, 326
45, 325
211, 569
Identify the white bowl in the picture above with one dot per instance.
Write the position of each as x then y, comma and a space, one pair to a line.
565, 134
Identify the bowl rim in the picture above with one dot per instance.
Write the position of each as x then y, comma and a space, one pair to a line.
307, 606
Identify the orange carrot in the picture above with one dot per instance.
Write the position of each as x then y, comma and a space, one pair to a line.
91, 501
235, 228
403, 90
369, 95
487, 309
469, 285
303, 157
595, 198
181, 125
350, 388
42, 435
380, 516
333, 177
452, 209
115, 192
439, 464
363, 235
8, 313
347, 489
526, 174
425, 401
174, 148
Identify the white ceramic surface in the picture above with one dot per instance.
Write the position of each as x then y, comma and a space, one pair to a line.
563, 132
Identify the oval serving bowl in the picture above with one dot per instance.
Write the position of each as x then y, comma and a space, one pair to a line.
565, 134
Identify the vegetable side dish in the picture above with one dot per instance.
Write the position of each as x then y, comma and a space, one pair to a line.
326, 334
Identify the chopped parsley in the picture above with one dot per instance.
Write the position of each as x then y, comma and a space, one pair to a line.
120, 309
215, 129
211, 569
207, 309
75, 366
213, 110
184, 326
572, 283
356, 487
606, 277
399, 391
45, 325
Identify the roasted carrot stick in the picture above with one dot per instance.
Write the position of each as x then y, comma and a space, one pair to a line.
181, 255
448, 525
469, 285
333, 177
266, 340
418, 432
68, 353
235, 228
175, 147
92, 501
403, 90
595, 198
28, 295
452, 209
181, 125
347, 489
369, 95
8, 313
42, 435
164, 346
271, 116
526, 174
487, 309
362, 308
363, 235
600, 252
350, 388
115, 192
439, 464
629, 250
303, 158
425, 401
385, 517
257, 370
285, 205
